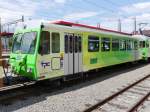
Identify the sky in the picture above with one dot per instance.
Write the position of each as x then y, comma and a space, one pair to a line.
91, 12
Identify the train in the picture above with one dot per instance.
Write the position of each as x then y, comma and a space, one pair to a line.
59, 50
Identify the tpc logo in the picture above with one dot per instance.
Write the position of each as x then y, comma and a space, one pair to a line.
45, 64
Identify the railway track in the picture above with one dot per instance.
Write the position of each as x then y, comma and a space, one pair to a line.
17, 92
128, 99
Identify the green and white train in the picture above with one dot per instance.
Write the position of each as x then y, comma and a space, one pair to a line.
49, 51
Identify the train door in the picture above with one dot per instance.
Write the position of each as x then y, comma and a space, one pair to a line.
77, 54
73, 54
136, 51
55, 51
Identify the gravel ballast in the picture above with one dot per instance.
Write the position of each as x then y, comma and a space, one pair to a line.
80, 96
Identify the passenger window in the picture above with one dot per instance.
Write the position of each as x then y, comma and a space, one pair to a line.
147, 44
122, 45
105, 45
132, 45
55, 43
76, 44
115, 44
79, 42
142, 44
44, 47
66, 43
129, 45
135, 45
71, 44
93, 44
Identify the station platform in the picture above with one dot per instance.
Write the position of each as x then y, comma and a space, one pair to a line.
3, 62
1, 72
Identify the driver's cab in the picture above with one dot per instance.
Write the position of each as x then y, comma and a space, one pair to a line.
49, 62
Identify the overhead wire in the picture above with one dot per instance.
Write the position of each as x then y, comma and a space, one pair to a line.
115, 5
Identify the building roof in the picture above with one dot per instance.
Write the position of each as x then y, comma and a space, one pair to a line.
6, 34
146, 32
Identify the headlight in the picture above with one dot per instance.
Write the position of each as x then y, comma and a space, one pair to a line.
29, 70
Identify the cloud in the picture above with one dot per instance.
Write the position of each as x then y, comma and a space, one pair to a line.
80, 15
137, 7
49, 9
139, 10
10, 11
143, 17
29, 8
60, 1
128, 23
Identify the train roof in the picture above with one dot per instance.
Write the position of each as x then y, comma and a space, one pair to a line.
77, 27
66, 23
141, 37
84, 29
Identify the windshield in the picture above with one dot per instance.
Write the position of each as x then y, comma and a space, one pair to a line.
24, 43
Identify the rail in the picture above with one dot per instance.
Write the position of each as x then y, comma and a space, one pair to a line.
106, 100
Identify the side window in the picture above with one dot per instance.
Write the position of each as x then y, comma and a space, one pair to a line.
93, 44
142, 44
132, 43
135, 45
129, 44
105, 45
44, 47
122, 45
115, 45
71, 44
76, 44
80, 44
55, 43
66, 43
147, 44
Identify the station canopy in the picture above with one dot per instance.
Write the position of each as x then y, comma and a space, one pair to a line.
6, 34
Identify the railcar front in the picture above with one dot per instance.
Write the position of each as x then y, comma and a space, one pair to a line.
23, 54
144, 46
